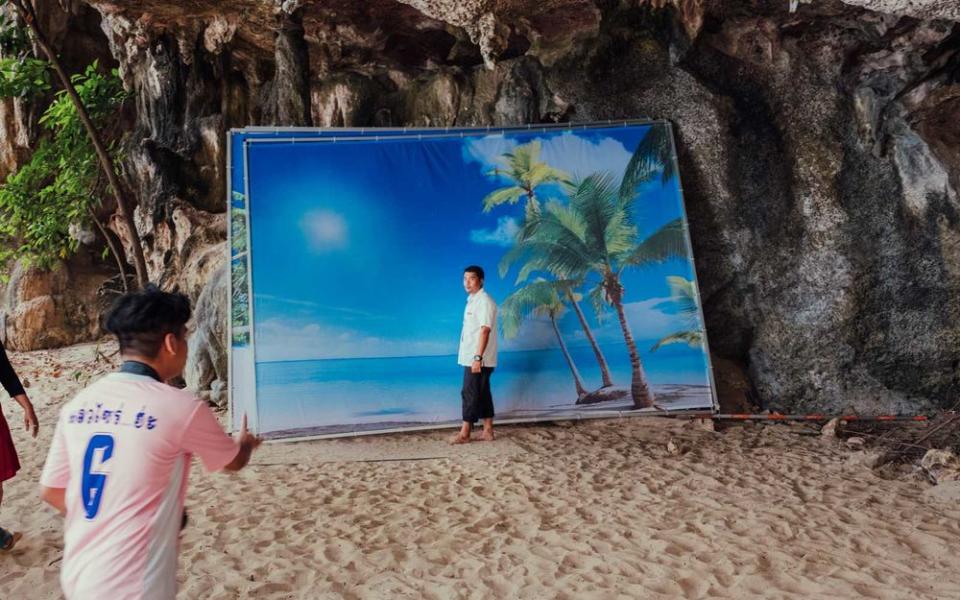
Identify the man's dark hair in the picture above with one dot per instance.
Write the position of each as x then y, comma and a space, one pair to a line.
141, 320
478, 271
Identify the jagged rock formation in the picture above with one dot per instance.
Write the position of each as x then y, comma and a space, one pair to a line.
820, 149
59, 307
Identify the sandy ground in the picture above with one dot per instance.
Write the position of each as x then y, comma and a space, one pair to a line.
598, 509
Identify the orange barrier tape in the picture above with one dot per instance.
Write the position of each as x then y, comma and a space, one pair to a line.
813, 417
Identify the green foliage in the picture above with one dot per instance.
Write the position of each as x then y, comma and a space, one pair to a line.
526, 171
22, 75
238, 231
240, 300
683, 292
538, 298
239, 287
653, 155
60, 183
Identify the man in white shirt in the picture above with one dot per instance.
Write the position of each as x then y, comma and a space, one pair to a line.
477, 355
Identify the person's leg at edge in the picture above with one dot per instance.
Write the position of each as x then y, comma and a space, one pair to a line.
468, 395
488, 430
8, 539
463, 436
486, 403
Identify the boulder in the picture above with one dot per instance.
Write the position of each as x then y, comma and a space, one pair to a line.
53, 308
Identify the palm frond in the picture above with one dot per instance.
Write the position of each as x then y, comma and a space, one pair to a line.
598, 299
538, 298
530, 267
513, 255
684, 292
693, 338
520, 158
595, 202
554, 258
654, 154
567, 218
502, 196
531, 212
541, 173
620, 235
533, 152
670, 241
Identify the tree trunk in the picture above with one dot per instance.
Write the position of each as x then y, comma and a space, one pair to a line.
601, 360
639, 387
581, 391
28, 14
113, 249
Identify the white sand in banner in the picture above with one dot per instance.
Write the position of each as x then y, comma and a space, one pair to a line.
599, 509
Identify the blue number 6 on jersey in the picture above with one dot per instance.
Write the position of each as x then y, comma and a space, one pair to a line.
99, 451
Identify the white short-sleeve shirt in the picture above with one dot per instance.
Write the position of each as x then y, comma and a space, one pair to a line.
481, 311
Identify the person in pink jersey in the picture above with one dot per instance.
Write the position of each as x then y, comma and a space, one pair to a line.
118, 465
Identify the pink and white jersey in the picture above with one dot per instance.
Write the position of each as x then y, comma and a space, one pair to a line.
122, 451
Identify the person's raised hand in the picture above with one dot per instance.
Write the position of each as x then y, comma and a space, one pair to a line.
246, 438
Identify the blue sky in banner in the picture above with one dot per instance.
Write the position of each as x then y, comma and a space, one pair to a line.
359, 247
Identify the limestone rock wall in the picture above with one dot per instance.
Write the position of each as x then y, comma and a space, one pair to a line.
819, 147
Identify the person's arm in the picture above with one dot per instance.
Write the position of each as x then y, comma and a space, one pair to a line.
56, 471
481, 347
11, 383
248, 443
8, 377
488, 316
217, 450
30, 422
55, 497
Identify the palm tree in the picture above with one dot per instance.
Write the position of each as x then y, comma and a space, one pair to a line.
574, 300
526, 171
684, 293
541, 298
594, 235
566, 288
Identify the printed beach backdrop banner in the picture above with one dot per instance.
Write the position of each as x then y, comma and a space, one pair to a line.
241, 363
347, 260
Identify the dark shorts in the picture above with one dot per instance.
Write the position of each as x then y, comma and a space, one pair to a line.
477, 400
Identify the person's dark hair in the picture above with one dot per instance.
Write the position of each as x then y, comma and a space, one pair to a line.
141, 320
478, 271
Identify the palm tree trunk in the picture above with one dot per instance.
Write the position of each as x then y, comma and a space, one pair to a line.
581, 391
601, 360
29, 15
639, 387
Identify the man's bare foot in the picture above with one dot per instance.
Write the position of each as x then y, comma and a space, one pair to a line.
460, 439
488, 435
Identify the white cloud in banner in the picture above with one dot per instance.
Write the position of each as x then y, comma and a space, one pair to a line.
325, 230
647, 321
279, 339
487, 150
578, 156
581, 157
505, 234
